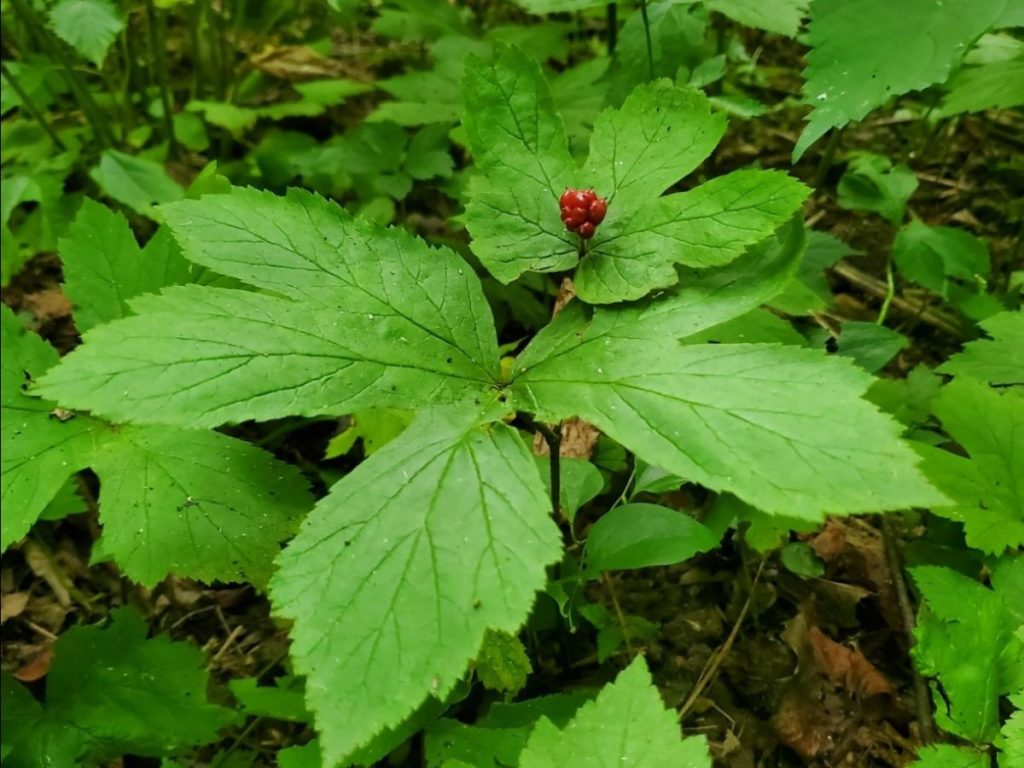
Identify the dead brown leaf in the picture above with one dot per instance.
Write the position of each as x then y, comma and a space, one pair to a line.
847, 666
295, 63
45, 567
36, 668
47, 304
12, 604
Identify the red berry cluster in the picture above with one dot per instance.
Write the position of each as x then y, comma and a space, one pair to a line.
582, 211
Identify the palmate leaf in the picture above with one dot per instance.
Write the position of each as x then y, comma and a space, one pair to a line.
626, 726
781, 427
198, 504
864, 52
379, 319
396, 575
660, 134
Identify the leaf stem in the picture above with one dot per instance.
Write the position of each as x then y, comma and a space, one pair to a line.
75, 84
612, 17
890, 293
647, 35
30, 106
553, 437
156, 41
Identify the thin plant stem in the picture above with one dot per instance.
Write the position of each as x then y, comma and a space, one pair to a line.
553, 437
612, 17
890, 292
30, 107
619, 615
647, 36
827, 158
195, 20
75, 84
157, 42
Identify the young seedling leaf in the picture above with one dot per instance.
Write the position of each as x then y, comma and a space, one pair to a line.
396, 575
864, 52
626, 726
135, 181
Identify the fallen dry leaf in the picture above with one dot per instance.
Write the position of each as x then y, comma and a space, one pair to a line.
36, 668
12, 604
45, 567
847, 666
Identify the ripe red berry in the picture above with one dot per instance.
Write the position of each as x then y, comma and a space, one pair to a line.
582, 210
573, 217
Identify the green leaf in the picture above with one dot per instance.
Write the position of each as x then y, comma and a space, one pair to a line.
780, 16
948, 756
88, 26
375, 426
999, 360
502, 664
193, 503
783, 428
987, 489
809, 290
909, 399
521, 151
134, 181
40, 451
122, 693
282, 701
660, 133
873, 183
965, 639
367, 327
627, 726
611, 632
396, 575
104, 266
872, 346
642, 535
636, 251
581, 481
930, 256
1011, 738
996, 85
864, 52
801, 559
196, 503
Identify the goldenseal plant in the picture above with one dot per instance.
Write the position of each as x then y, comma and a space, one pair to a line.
446, 532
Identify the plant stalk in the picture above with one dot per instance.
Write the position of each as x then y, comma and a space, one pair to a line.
612, 17
74, 82
647, 36
157, 42
30, 106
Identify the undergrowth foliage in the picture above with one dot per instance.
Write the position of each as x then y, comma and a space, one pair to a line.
418, 568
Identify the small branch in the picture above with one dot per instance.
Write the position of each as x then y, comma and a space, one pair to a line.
719, 656
922, 700
877, 288
890, 292
619, 615
553, 437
